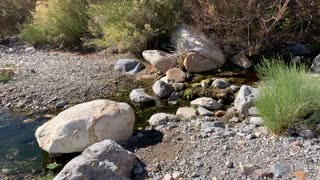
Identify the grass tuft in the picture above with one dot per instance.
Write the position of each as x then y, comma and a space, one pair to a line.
288, 95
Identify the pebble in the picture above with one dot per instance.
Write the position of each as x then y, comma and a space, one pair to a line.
279, 169
229, 164
176, 175
168, 177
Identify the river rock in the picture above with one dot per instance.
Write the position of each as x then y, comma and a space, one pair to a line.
241, 60
176, 75
162, 61
258, 121
316, 64
207, 103
279, 169
162, 89
100, 161
220, 83
204, 112
206, 54
85, 124
195, 63
186, 113
130, 66
245, 99
140, 96
161, 118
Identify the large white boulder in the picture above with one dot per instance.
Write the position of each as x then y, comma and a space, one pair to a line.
245, 99
82, 125
161, 60
103, 160
206, 54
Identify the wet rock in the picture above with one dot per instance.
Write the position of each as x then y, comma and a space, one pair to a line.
279, 169
161, 118
61, 104
140, 96
162, 61
162, 89
204, 112
130, 66
207, 103
176, 75
220, 83
103, 160
258, 121
84, 124
245, 99
241, 60
186, 113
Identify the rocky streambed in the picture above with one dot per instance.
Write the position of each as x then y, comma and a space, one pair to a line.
198, 121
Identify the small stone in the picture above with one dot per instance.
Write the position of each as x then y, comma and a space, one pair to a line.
162, 89
296, 143
28, 121
279, 169
207, 103
174, 96
249, 169
250, 136
172, 103
182, 162
176, 175
61, 104
229, 164
235, 120
307, 134
178, 86
220, 84
168, 177
234, 88
300, 175
241, 60
186, 113
140, 96
215, 124
253, 111
161, 118
198, 163
258, 121
219, 113
176, 75
204, 112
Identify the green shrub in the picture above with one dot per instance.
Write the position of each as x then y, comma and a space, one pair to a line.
61, 22
289, 94
132, 24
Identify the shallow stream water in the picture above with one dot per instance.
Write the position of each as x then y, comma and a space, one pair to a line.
19, 151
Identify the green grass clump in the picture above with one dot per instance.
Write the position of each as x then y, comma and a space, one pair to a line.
6, 75
59, 22
289, 94
130, 24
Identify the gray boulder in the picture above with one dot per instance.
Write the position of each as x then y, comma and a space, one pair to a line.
162, 61
208, 55
207, 103
241, 60
130, 66
316, 64
100, 161
162, 89
140, 96
245, 99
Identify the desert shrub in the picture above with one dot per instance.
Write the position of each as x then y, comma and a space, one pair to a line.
254, 25
12, 14
132, 24
61, 22
289, 94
